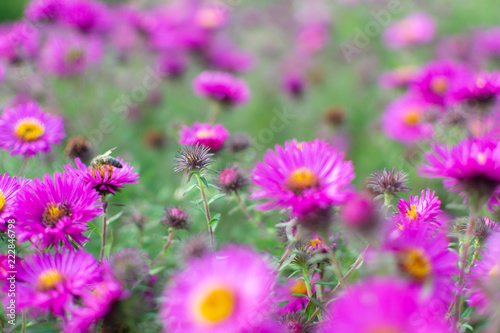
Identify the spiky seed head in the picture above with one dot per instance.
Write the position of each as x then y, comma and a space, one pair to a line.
193, 158
388, 181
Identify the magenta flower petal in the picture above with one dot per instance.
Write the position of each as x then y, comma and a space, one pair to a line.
27, 130
303, 177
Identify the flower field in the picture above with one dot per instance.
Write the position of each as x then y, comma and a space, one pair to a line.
231, 166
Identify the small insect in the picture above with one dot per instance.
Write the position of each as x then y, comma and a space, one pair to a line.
105, 159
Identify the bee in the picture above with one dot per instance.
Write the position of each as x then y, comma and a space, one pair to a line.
105, 159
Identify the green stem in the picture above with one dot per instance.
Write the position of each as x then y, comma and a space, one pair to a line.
331, 254
22, 166
307, 281
214, 111
207, 209
463, 264
387, 202
104, 227
165, 247
246, 212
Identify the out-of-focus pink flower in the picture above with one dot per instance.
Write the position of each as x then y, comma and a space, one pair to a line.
70, 54
415, 29
407, 120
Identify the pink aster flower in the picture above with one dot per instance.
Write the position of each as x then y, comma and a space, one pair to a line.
407, 119
302, 176
360, 212
212, 136
400, 77
415, 29
221, 87
488, 42
53, 209
18, 42
68, 54
472, 167
95, 302
435, 81
27, 130
51, 282
104, 178
226, 57
385, 305
294, 83
482, 89
484, 278
219, 295
425, 259
313, 37
9, 187
295, 303
88, 16
45, 10
419, 210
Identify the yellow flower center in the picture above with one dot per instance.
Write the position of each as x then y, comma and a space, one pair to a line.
54, 212
316, 242
494, 271
412, 212
217, 305
301, 179
299, 287
405, 72
2, 200
408, 30
205, 134
385, 330
481, 158
104, 169
209, 18
73, 56
49, 279
480, 82
412, 118
29, 129
416, 263
439, 85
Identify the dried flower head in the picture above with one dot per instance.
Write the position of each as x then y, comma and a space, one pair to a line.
129, 266
385, 181
78, 147
195, 247
193, 158
296, 322
238, 142
334, 116
155, 139
175, 218
232, 179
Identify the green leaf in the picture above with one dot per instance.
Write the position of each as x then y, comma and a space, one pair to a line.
213, 220
215, 187
115, 217
189, 189
216, 197
200, 209
287, 261
204, 180
156, 270
215, 225
96, 229
322, 283
299, 295
311, 307
109, 244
